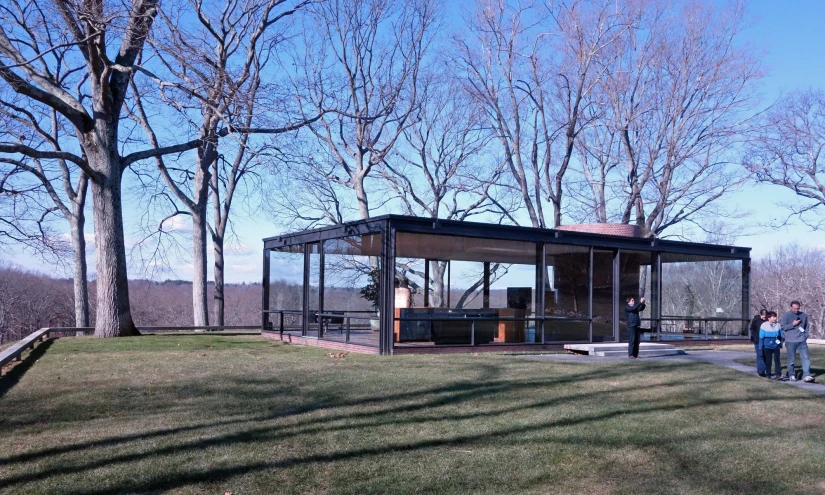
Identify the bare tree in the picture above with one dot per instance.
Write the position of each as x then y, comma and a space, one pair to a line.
681, 92
791, 272
440, 171
45, 187
531, 69
363, 61
31, 35
788, 150
207, 66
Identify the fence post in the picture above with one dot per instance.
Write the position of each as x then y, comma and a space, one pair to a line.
348, 323
282, 323
473, 333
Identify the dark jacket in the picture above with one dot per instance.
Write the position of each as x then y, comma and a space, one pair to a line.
756, 322
632, 313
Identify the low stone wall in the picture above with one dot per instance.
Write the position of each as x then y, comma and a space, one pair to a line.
327, 344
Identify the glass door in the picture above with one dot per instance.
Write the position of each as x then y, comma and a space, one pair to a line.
313, 289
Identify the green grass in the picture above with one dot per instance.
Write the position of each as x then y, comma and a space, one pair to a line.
815, 352
210, 413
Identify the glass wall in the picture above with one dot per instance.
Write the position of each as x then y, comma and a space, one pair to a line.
701, 297
286, 289
603, 303
634, 281
453, 290
567, 293
352, 275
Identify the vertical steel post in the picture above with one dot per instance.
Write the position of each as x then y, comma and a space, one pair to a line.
426, 283
541, 285
305, 305
387, 291
616, 289
321, 289
485, 291
265, 291
473, 332
746, 294
590, 298
349, 319
656, 292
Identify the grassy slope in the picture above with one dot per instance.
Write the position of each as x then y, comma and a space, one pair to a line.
208, 414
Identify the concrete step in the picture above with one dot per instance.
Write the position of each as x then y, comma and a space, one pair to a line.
593, 349
642, 352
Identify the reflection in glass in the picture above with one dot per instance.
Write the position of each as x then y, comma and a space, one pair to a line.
352, 275
634, 280
286, 287
602, 295
567, 292
487, 284
699, 293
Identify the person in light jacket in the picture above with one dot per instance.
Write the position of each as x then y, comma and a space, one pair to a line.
770, 341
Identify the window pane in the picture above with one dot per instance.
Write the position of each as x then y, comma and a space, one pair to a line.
352, 275
634, 270
699, 293
603, 295
465, 290
567, 292
286, 288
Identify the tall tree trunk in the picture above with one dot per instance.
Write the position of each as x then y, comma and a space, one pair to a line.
200, 305
81, 289
200, 301
218, 297
114, 316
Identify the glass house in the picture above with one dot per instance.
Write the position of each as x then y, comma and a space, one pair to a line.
396, 284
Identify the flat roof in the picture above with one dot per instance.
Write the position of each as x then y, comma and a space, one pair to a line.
402, 223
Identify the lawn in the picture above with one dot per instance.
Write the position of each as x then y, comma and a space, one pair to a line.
815, 352
214, 414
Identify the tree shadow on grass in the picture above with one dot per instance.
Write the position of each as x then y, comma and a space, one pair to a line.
500, 435
389, 415
13, 376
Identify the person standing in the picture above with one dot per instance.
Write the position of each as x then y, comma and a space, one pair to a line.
795, 326
770, 342
634, 323
754, 334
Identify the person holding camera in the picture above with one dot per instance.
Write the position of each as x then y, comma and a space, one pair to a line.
795, 327
634, 323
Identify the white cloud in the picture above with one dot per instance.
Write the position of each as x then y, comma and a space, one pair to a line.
178, 223
244, 267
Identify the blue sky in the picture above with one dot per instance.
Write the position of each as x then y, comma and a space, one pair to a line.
792, 37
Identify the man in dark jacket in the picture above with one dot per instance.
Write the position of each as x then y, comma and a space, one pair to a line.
795, 328
757, 322
634, 322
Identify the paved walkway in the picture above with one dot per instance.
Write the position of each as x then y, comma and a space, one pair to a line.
720, 358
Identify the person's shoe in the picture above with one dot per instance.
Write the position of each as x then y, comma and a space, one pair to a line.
761, 373
783, 377
808, 379
793, 378
631, 357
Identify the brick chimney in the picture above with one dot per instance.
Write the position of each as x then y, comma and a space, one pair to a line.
620, 229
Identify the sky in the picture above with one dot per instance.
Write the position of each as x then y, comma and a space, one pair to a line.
793, 40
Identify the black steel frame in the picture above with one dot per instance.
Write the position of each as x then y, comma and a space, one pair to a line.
389, 225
